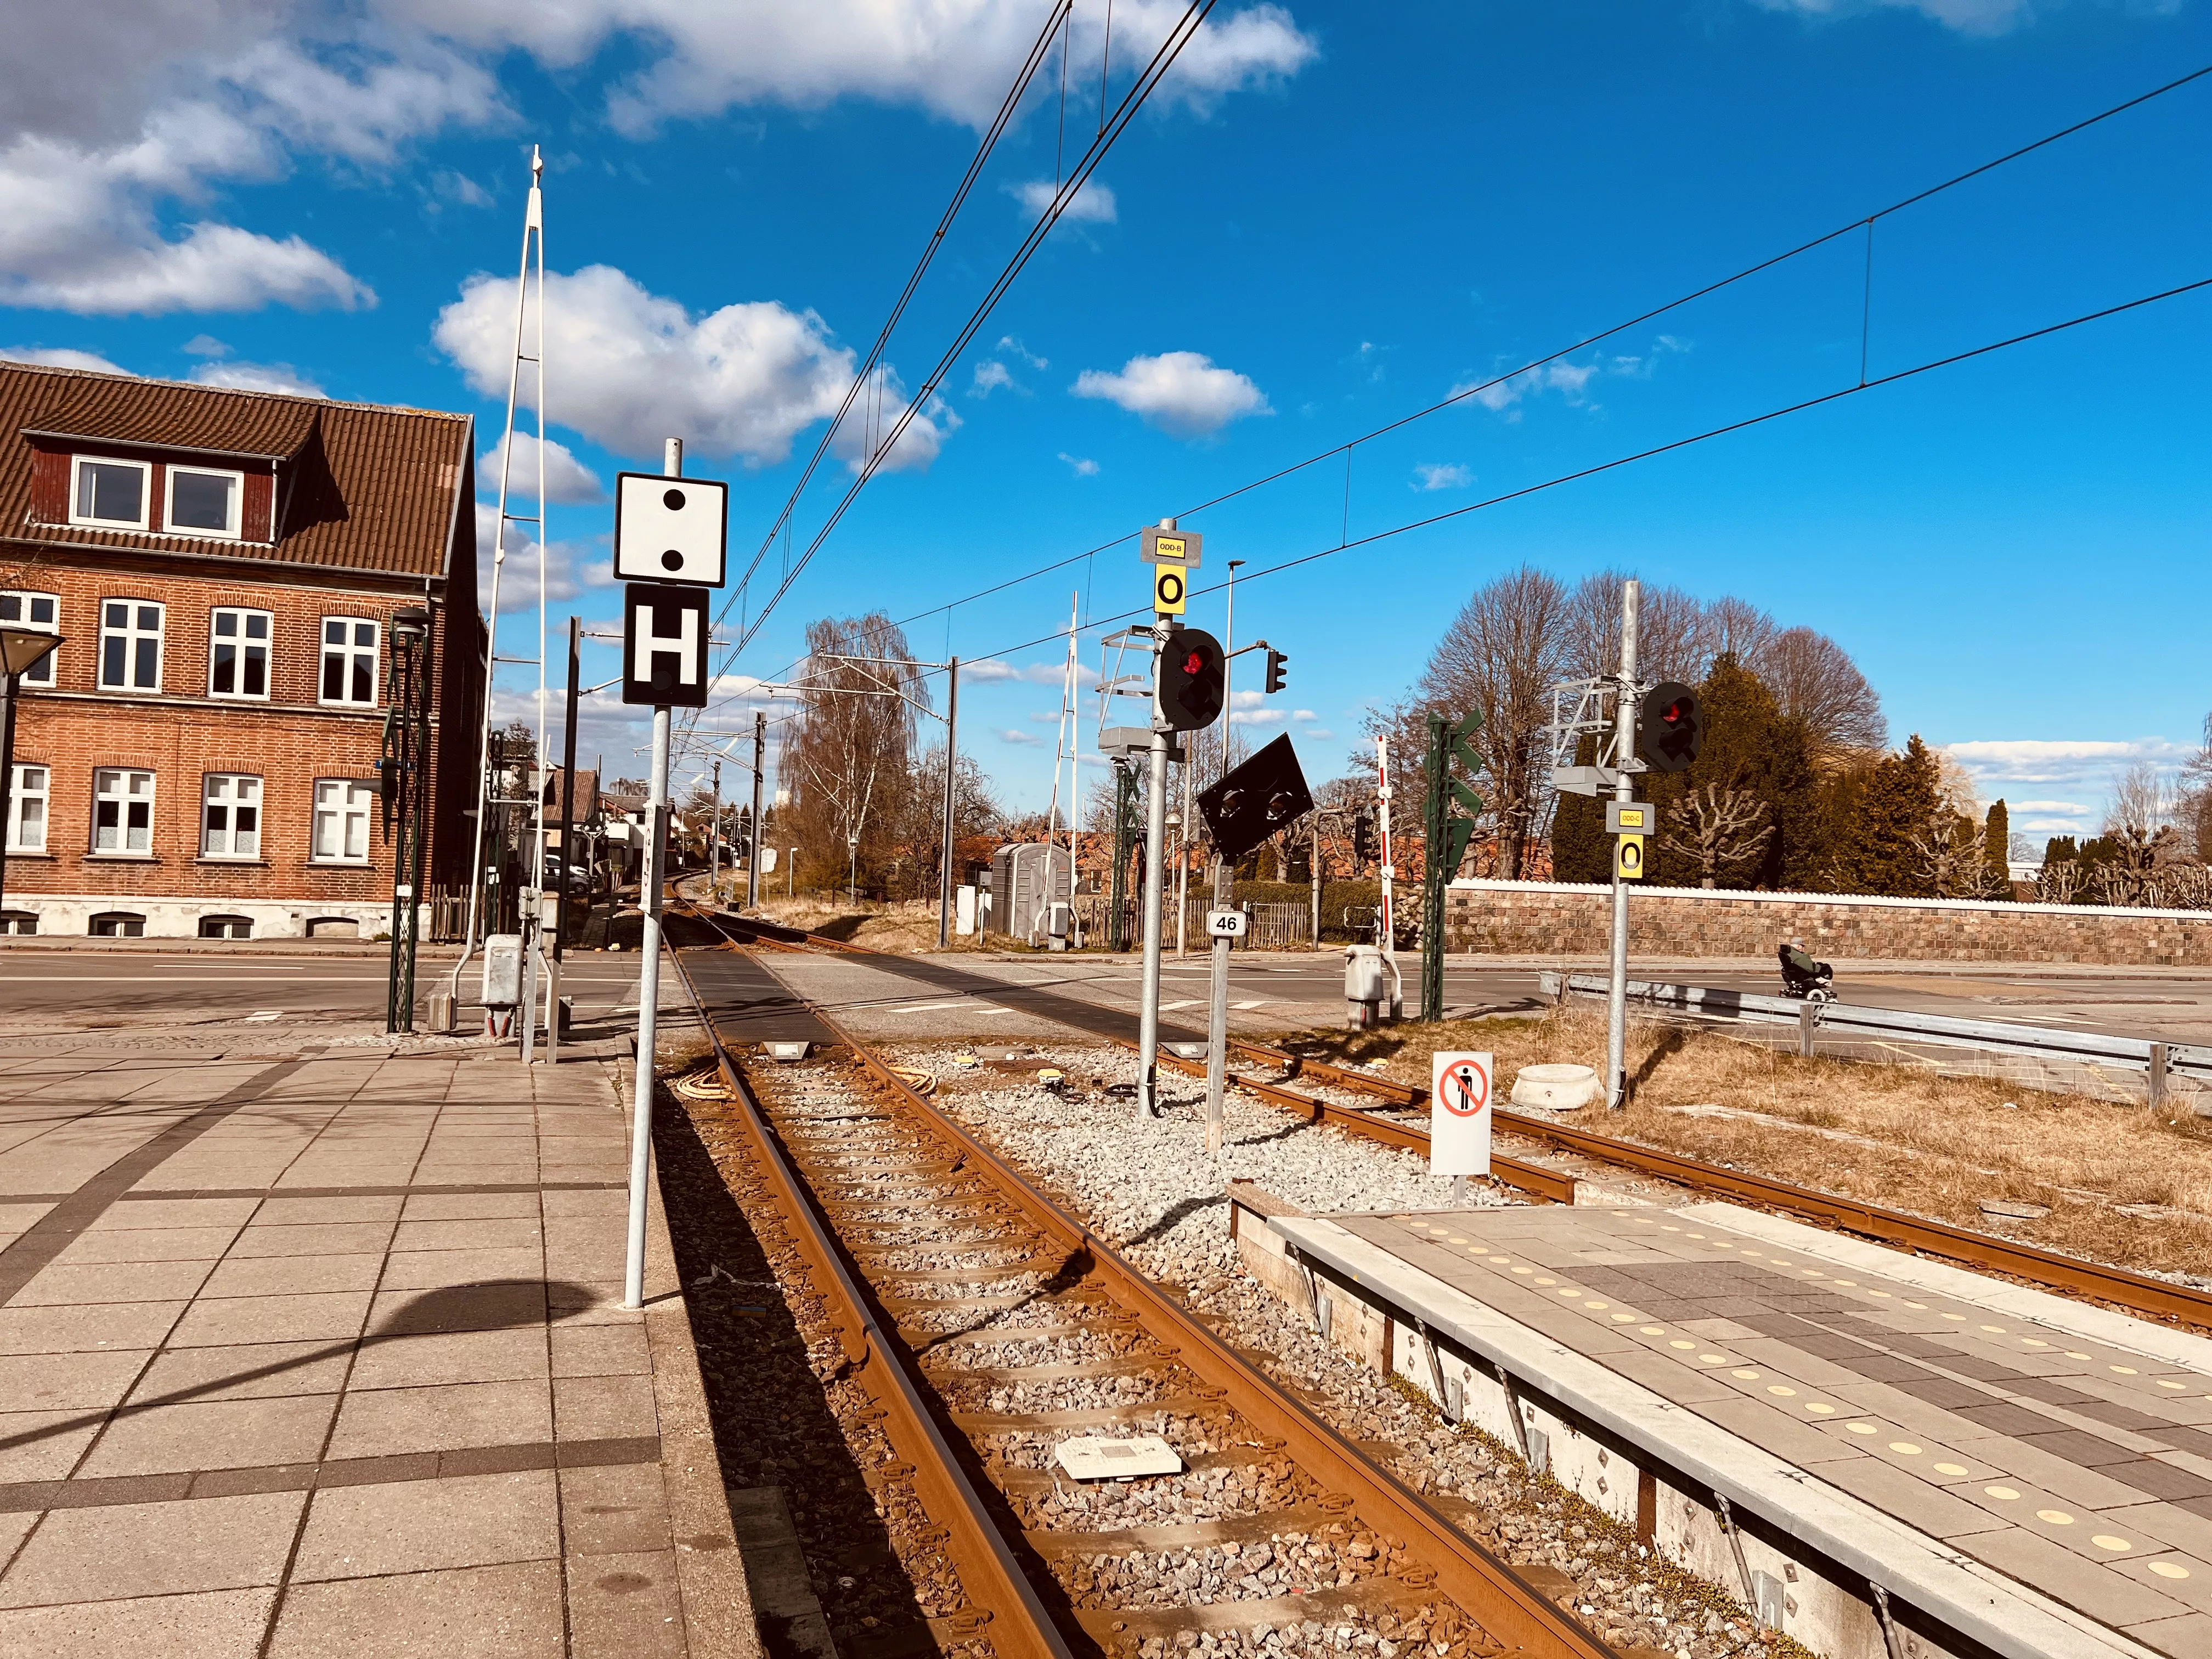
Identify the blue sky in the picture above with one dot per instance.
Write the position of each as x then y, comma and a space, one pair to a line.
1333, 216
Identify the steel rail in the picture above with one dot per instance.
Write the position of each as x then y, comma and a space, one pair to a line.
2137, 1292
1020, 1627
1512, 1612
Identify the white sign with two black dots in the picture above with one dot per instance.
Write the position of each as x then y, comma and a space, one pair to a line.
670, 529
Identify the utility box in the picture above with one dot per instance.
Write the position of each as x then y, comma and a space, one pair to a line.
502, 970
964, 911
441, 1011
1366, 984
1058, 924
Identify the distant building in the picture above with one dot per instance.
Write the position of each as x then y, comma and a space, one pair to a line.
200, 756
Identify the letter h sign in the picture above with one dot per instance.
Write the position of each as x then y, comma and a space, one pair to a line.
665, 645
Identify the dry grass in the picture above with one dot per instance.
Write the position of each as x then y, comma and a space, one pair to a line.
906, 927
1939, 1145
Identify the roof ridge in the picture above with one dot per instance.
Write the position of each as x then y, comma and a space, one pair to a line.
126, 377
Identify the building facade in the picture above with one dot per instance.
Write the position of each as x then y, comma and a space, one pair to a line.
200, 757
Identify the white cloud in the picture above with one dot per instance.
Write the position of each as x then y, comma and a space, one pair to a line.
568, 570
1093, 205
1571, 380
991, 375
1084, 466
1320, 735
257, 377
204, 345
1014, 734
1249, 708
2049, 806
567, 480
1183, 393
1303, 714
61, 357
1446, 475
1011, 344
1966, 17
994, 671
743, 380
2039, 768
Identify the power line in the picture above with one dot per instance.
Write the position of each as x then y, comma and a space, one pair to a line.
1865, 222
1179, 36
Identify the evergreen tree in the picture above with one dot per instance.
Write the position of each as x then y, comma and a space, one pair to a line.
1996, 846
1580, 850
1738, 753
1896, 806
1797, 857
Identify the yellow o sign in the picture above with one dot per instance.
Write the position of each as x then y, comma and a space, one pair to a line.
1628, 857
1168, 586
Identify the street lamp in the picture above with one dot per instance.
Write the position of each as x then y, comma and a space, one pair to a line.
791, 875
21, 649
406, 797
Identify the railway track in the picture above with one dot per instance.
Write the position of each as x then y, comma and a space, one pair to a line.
987, 1325
1401, 1121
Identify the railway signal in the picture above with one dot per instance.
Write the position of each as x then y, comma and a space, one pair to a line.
1671, 728
1276, 679
1192, 681
1267, 794
1450, 744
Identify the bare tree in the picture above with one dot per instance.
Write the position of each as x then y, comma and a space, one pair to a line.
1718, 828
850, 753
1499, 659
1952, 859
2193, 806
1738, 628
1814, 680
1674, 640
2141, 803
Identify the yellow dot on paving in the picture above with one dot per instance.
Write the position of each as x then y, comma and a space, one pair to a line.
1600, 1306
1722, 1244
1745, 1376
2033, 1342
2169, 1570
1904, 1449
2105, 1541
2163, 1383
1567, 1291
1777, 1387
1682, 1345
2056, 1518
1544, 1278
1961, 1318
1815, 1272
1625, 1319
1861, 1428
1693, 1235
1950, 1468
2005, 1494
1819, 1408
2126, 1371
1653, 1330
1884, 1295
2070, 1354
1994, 1330
1712, 1359
1664, 1228
1501, 1260
1457, 1239
1849, 1284
1521, 1270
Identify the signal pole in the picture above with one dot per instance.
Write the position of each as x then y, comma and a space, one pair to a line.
753, 853
1624, 789
1156, 812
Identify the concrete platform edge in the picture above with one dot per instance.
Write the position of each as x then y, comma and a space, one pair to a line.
2005, 1617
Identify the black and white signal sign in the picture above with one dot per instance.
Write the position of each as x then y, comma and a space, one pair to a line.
670, 529
665, 645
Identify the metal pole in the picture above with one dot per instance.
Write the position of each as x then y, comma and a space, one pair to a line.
7, 768
1313, 859
648, 978
753, 853
1228, 663
951, 773
1183, 859
568, 785
1155, 811
715, 842
1616, 1002
1217, 1022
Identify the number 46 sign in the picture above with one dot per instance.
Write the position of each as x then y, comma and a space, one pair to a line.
1459, 1114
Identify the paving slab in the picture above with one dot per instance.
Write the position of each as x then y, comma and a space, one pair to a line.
306, 1353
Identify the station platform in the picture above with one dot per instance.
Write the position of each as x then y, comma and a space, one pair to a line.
313, 1346
1881, 1455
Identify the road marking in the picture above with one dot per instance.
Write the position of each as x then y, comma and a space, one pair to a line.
931, 1007
1243, 1006
1187, 1002
265, 1013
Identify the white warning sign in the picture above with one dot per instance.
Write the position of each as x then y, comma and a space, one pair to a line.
1459, 1114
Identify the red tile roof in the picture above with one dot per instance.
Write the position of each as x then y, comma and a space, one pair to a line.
362, 486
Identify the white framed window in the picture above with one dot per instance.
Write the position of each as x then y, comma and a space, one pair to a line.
39, 611
129, 645
27, 809
238, 653
350, 646
122, 812
341, 821
110, 494
205, 502
230, 818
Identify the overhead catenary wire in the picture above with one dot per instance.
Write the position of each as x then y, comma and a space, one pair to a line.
1865, 222
1178, 37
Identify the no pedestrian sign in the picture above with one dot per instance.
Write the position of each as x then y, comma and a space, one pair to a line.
1459, 1114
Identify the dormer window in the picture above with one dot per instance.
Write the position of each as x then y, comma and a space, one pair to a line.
110, 494
203, 502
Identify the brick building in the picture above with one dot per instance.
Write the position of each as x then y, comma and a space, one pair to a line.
199, 758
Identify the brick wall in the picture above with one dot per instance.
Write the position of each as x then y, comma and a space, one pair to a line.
1557, 919
290, 740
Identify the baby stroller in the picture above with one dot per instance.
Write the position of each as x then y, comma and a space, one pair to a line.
1802, 977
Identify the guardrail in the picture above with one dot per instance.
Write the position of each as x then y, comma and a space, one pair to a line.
2159, 1061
